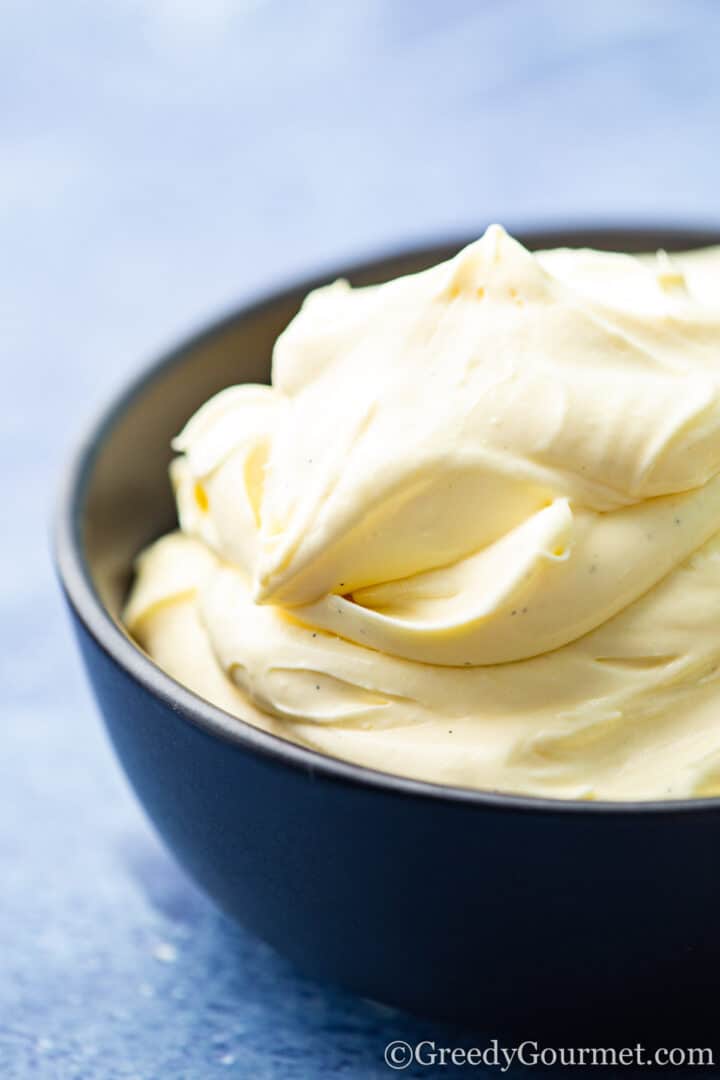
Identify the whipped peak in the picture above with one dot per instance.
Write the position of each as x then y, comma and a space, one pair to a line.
462, 442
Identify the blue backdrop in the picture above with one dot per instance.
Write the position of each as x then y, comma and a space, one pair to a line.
159, 160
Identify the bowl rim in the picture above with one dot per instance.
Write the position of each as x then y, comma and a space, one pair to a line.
77, 584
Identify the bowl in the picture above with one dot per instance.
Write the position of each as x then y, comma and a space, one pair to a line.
515, 913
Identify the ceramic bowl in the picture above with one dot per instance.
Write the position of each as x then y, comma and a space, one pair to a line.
507, 911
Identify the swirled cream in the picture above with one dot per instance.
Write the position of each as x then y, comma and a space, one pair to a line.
471, 533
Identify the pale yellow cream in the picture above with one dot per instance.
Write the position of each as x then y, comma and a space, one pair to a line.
471, 534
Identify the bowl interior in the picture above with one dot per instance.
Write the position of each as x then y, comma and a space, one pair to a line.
122, 497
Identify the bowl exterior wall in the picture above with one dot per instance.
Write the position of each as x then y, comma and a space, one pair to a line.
505, 917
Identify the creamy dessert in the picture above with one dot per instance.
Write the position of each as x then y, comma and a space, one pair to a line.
471, 533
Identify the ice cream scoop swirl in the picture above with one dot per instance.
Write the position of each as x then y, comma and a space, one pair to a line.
506, 464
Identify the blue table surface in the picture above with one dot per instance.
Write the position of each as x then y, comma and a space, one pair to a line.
159, 161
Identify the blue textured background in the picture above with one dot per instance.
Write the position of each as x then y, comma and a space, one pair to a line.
157, 161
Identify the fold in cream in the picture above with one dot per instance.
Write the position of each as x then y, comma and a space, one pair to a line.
471, 534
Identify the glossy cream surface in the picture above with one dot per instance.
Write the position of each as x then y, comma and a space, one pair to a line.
471, 534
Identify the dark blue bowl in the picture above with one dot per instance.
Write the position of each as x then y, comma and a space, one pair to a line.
509, 911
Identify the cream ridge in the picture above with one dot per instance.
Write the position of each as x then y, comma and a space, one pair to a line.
471, 533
